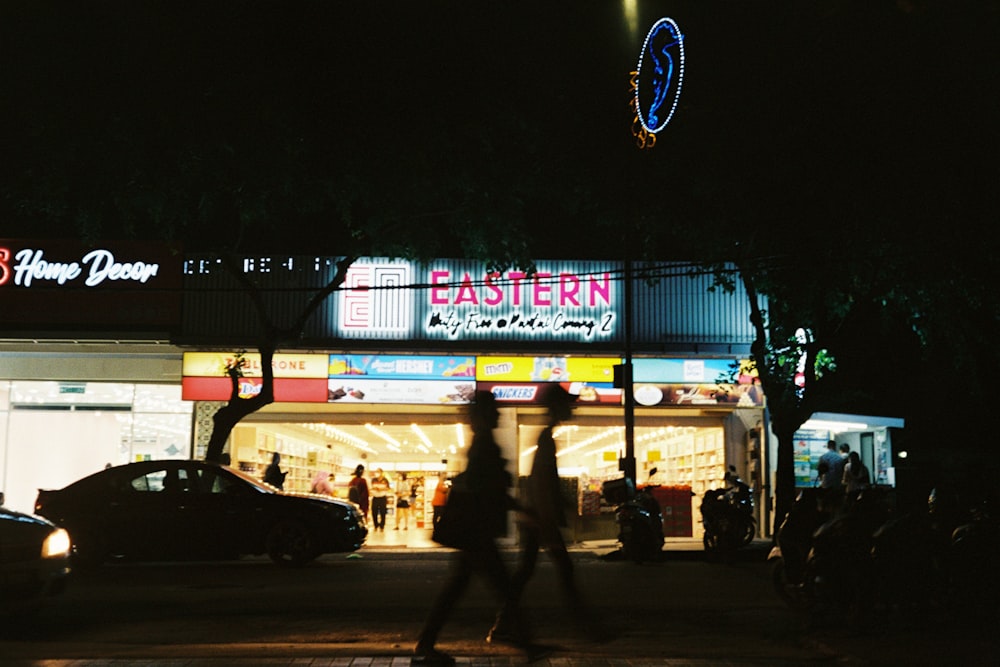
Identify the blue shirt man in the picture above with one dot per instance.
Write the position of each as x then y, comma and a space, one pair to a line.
833, 477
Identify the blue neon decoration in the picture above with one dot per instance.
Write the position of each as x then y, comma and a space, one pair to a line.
659, 75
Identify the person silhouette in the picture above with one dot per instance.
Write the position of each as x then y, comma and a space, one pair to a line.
546, 508
488, 481
273, 474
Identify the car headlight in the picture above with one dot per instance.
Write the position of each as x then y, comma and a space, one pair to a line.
57, 544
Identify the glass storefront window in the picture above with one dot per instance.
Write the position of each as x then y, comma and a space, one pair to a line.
57, 432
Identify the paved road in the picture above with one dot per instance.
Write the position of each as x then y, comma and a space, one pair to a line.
367, 609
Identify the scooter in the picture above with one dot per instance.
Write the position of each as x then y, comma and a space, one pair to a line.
640, 522
727, 515
789, 557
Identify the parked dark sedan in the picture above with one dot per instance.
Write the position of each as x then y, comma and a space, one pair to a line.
34, 561
184, 510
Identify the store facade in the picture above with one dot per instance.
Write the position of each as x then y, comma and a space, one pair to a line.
125, 361
388, 364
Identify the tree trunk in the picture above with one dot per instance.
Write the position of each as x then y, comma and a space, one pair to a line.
226, 419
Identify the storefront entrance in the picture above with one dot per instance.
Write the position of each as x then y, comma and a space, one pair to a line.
687, 449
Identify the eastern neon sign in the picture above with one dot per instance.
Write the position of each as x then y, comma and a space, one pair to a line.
656, 83
556, 304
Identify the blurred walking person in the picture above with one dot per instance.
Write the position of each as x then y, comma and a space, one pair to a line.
488, 481
546, 509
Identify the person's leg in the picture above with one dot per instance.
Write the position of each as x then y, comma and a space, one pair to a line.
461, 571
504, 628
527, 561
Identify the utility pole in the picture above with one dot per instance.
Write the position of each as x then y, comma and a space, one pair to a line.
627, 463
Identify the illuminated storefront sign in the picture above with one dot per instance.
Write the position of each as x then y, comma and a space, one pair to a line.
401, 379
549, 304
444, 380
298, 378
683, 370
546, 369
695, 382
399, 367
453, 300
111, 285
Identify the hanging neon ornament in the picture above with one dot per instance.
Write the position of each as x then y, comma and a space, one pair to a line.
656, 83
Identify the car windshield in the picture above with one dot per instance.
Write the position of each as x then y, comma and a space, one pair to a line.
253, 481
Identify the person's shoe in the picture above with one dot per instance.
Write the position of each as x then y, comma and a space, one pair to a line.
502, 636
431, 656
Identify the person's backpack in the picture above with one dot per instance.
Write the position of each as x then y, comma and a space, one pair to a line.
354, 494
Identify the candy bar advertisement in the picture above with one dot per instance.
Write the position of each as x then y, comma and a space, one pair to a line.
423, 392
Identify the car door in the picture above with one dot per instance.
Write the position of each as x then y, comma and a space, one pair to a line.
143, 515
226, 512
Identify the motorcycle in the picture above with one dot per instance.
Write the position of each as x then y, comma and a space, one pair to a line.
823, 560
727, 515
640, 522
789, 556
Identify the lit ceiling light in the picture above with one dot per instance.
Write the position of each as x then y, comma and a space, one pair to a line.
349, 439
423, 436
613, 431
385, 436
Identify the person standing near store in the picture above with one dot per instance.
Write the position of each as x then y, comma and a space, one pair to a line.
831, 468
273, 474
856, 477
545, 505
404, 492
488, 482
357, 490
380, 488
322, 483
440, 498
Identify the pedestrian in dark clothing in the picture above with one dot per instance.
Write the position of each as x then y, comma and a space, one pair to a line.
273, 474
546, 510
357, 490
488, 481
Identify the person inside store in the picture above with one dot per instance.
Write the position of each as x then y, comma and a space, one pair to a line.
273, 474
357, 490
488, 482
440, 498
380, 488
546, 505
322, 483
404, 493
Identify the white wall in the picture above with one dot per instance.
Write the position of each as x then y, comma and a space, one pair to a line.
49, 449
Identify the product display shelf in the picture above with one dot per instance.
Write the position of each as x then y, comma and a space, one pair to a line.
253, 448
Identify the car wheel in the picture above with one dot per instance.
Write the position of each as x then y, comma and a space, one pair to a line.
291, 544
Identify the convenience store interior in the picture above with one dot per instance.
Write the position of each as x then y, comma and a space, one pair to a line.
430, 445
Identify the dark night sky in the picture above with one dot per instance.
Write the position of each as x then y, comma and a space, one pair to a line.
827, 110
806, 116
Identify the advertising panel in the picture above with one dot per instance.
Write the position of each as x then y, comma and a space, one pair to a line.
546, 369
401, 366
298, 378
102, 286
413, 379
424, 392
809, 446
738, 395
527, 393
